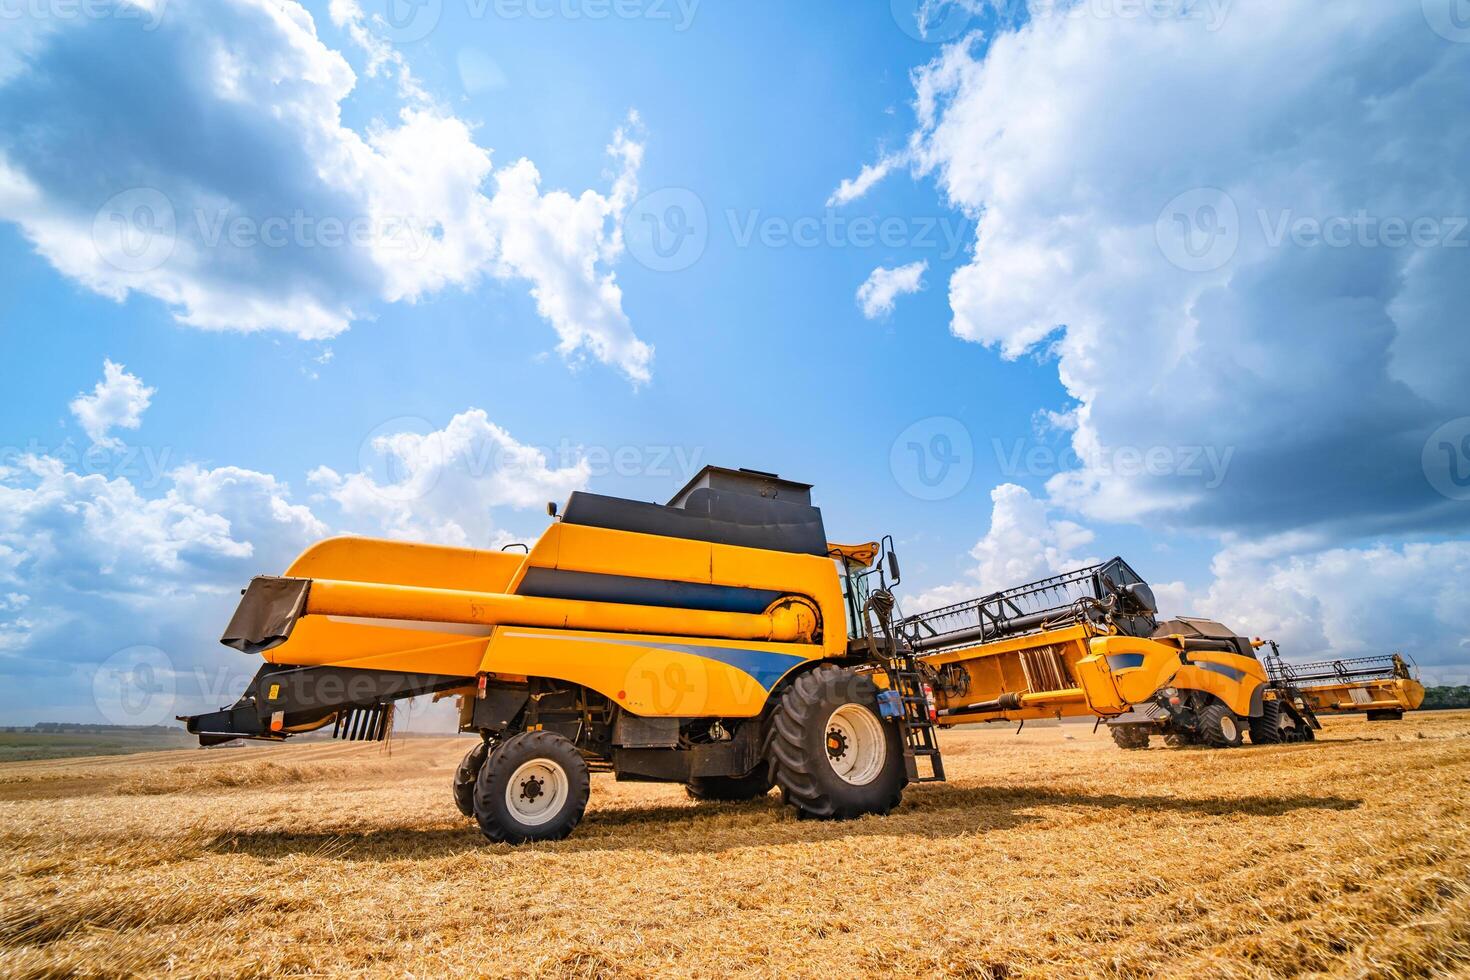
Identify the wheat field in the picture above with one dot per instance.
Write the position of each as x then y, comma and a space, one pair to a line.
1048, 853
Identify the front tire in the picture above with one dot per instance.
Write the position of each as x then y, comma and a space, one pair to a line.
1130, 736
1219, 727
534, 786
730, 789
830, 751
1266, 730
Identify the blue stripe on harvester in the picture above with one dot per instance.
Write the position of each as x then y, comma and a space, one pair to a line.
767, 667
1229, 672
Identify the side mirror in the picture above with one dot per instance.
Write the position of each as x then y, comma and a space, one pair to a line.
893, 567
551, 508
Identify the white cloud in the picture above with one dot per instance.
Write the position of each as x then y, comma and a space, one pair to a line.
444, 485
118, 401
1321, 369
382, 55
560, 245
1024, 543
1350, 602
883, 286
94, 564
853, 188
286, 219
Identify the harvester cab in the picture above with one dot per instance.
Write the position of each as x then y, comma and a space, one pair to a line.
711, 641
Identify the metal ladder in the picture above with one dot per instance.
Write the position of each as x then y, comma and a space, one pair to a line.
911, 708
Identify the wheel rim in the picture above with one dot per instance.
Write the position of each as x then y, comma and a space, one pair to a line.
536, 791
855, 744
1229, 728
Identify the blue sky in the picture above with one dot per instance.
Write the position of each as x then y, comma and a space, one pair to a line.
1126, 289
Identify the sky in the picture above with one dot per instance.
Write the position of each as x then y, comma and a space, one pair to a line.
1023, 285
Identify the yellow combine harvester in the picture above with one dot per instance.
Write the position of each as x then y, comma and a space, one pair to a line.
1383, 688
1088, 643
713, 641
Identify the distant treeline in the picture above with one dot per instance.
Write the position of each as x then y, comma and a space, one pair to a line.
1447, 697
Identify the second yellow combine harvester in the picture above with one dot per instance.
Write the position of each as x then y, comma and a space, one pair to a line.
719, 641
1382, 688
1088, 643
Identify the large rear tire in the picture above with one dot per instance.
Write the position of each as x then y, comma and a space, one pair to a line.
1219, 727
465, 775
830, 750
731, 788
534, 786
1266, 730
